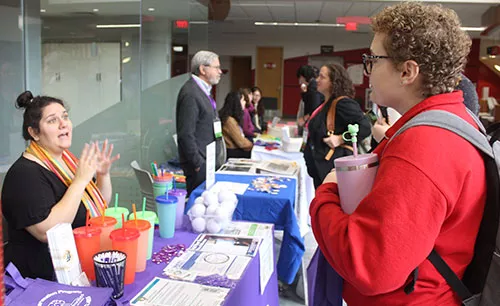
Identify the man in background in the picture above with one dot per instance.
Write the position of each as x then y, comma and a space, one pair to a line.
196, 117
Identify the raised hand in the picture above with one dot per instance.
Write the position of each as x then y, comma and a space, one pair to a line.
87, 164
104, 159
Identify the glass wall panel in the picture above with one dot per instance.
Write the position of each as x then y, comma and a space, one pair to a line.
87, 52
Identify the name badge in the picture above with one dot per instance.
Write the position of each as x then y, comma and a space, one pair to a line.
217, 129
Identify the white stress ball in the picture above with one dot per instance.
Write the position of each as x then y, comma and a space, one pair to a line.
211, 199
221, 214
225, 195
234, 198
213, 226
211, 209
198, 225
228, 206
198, 200
197, 210
204, 194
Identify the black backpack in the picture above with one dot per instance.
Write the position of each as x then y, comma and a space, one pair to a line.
480, 285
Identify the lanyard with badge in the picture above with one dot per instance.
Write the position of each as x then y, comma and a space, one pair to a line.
217, 123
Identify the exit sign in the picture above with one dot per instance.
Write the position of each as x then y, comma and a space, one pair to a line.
181, 24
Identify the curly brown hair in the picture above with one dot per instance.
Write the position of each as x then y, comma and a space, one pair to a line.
431, 36
341, 81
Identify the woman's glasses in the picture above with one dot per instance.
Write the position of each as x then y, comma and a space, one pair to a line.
368, 61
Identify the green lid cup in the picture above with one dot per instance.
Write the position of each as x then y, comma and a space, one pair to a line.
116, 212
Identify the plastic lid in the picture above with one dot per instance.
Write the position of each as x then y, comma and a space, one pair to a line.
167, 177
115, 209
98, 221
83, 232
124, 234
142, 225
177, 192
148, 214
351, 160
162, 199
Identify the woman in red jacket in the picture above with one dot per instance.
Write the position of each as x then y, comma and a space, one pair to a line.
430, 187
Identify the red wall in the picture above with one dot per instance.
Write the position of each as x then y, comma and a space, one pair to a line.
481, 74
291, 90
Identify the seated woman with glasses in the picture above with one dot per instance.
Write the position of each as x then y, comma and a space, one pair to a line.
425, 197
231, 116
328, 121
48, 185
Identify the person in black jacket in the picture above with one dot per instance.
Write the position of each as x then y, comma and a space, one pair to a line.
333, 82
310, 95
196, 117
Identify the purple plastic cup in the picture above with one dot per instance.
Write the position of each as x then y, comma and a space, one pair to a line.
180, 194
355, 177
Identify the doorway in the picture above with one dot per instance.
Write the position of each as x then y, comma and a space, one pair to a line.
241, 72
268, 76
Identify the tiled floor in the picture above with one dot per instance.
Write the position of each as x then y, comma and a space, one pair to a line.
310, 244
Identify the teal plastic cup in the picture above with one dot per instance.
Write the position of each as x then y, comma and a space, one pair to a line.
151, 217
116, 212
166, 206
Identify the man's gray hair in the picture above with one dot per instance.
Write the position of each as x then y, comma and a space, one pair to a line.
202, 58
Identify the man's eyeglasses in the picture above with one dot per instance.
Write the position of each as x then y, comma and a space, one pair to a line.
215, 67
368, 61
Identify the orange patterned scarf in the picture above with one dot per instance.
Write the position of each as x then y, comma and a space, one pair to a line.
92, 197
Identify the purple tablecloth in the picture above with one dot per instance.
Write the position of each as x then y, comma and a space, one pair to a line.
247, 291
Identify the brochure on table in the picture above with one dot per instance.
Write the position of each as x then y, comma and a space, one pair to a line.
264, 167
227, 254
266, 251
166, 292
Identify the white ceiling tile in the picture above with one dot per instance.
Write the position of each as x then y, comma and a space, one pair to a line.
283, 14
258, 13
308, 11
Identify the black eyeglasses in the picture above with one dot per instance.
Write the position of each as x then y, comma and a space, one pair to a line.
368, 61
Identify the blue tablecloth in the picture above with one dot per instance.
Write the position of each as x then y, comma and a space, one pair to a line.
270, 208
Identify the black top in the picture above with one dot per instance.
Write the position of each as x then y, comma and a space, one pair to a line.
347, 112
195, 118
312, 98
29, 192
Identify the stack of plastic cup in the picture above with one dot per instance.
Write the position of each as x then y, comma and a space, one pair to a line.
151, 217
180, 194
126, 240
167, 210
143, 227
88, 242
116, 212
106, 224
161, 184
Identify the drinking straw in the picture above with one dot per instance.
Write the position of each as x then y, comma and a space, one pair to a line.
135, 214
116, 201
143, 206
173, 182
102, 214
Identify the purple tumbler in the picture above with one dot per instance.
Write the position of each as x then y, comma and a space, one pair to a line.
355, 177
355, 174
180, 194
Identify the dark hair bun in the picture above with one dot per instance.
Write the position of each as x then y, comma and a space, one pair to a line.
24, 99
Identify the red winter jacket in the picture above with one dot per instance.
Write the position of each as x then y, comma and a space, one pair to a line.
429, 192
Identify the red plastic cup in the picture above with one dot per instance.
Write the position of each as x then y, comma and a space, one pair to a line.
143, 227
88, 242
126, 240
106, 224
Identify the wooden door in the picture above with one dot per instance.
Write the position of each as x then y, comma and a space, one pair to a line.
269, 73
241, 72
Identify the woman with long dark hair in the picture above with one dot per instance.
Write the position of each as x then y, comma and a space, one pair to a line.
231, 116
260, 109
325, 130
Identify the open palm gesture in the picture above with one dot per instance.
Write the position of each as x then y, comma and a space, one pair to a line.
104, 159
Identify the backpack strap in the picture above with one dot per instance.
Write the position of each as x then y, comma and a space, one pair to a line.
330, 117
453, 123
451, 278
